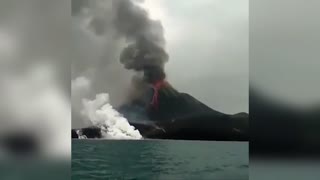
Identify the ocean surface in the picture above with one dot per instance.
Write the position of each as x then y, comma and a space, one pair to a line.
159, 160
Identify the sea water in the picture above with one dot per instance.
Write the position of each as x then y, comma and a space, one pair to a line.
159, 159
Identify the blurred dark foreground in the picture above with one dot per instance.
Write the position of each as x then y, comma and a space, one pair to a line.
282, 130
35, 170
22, 157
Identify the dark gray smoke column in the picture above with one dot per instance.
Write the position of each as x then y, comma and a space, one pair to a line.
145, 36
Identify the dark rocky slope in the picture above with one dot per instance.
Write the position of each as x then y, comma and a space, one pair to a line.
178, 115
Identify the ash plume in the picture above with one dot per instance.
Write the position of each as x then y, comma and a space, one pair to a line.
118, 48
146, 51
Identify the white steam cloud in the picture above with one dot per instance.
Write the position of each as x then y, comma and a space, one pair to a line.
113, 125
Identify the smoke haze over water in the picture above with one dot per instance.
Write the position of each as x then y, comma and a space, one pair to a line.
35, 76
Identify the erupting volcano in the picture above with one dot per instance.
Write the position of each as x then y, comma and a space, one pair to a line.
166, 112
174, 115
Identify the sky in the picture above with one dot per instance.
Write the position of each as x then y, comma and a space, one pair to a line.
208, 48
207, 43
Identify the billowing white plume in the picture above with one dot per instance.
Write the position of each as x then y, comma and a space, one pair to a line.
113, 125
